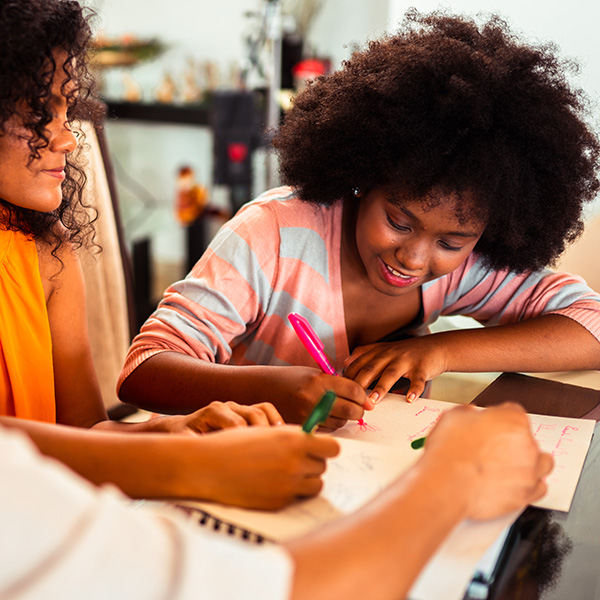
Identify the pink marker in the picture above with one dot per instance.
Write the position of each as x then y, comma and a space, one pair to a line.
313, 344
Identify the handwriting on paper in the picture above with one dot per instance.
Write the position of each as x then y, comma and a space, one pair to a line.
399, 423
425, 418
555, 436
364, 426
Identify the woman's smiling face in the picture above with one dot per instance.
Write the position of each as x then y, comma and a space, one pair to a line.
37, 184
404, 243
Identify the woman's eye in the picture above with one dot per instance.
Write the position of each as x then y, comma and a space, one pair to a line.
450, 247
397, 225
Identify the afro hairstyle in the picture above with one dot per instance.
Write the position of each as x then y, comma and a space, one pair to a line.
451, 105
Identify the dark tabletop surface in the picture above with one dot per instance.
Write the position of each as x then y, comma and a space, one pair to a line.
553, 555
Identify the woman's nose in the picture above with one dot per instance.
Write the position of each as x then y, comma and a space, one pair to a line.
412, 255
63, 139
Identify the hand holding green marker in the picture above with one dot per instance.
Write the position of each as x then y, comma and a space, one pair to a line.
320, 412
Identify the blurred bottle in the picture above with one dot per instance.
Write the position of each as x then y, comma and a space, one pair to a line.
191, 198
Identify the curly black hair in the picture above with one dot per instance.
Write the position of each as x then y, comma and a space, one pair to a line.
30, 32
448, 104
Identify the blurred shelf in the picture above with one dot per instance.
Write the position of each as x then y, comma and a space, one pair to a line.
162, 113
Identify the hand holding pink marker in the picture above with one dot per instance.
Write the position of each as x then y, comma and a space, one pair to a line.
313, 344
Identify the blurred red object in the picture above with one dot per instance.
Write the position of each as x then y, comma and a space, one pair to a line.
237, 152
308, 69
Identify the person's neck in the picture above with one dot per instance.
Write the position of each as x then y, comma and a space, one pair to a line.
350, 258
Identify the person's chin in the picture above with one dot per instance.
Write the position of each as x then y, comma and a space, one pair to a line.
46, 205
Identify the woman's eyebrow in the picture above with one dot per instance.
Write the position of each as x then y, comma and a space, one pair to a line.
463, 234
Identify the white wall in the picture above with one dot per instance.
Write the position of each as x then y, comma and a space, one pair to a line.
345, 24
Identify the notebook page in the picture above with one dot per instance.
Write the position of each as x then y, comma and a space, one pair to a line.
360, 472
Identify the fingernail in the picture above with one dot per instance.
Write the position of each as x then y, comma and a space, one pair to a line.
411, 397
374, 397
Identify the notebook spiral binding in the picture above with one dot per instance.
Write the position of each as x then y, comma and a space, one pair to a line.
205, 519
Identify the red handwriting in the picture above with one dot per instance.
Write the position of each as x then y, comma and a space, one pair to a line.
438, 414
364, 426
561, 447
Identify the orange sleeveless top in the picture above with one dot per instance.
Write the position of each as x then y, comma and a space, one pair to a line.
26, 373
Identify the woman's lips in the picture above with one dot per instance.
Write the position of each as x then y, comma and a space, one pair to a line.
58, 173
396, 278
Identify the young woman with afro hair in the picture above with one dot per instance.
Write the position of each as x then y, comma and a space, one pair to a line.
438, 172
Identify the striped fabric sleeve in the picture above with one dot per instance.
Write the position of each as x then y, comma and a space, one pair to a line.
220, 299
500, 297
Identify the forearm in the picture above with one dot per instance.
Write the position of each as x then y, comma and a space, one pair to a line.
170, 382
379, 552
148, 466
152, 425
541, 344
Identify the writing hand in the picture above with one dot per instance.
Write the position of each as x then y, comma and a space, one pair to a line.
495, 457
266, 468
418, 359
296, 390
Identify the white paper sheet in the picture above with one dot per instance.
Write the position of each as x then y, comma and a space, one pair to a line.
396, 423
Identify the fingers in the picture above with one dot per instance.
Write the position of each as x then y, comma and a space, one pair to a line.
545, 464
389, 378
310, 486
544, 468
538, 486
322, 446
216, 416
417, 387
332, 424
505, 467
364, 368
227, 415
346, 411
539, 491
262, 414
379, 364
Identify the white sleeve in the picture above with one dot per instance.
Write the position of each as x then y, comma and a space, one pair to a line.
64, 538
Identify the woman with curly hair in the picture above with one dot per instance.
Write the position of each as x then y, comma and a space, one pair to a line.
437, 173
46, 370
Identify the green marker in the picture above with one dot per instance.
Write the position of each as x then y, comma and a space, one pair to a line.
418, 443
320, 412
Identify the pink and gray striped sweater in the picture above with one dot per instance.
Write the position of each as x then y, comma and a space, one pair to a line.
280, 255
